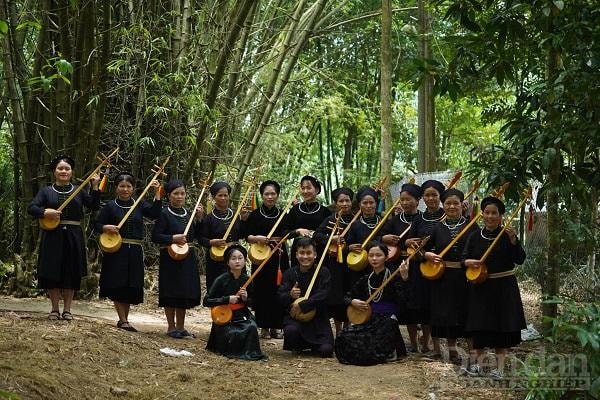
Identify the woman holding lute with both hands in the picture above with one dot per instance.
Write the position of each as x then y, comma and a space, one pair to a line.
393, 234
335, 261
239, 337
264, 226
62, 260
379, 339
304, 293
495, 314
122, 274
178, 280
449, 287
221, 220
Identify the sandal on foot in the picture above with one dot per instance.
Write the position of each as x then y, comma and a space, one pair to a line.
175, 334
185, 333
125, 326
53, 316
67, 316
276, 334
265, 334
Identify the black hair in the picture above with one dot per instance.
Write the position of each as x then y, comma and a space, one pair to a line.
377, 243
306, 242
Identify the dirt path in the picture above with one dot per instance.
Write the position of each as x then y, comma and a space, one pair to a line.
90, 358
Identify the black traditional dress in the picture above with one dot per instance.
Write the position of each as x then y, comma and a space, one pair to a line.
418, 289
379, 339
339, 272
178, 281
313, 334
62, 260
239, 338
397, 225
214, 226
307, 216
268, 311
495, 314
357, 234
122, 275
449, 293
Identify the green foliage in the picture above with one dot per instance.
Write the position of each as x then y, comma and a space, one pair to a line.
8, 395
3, 28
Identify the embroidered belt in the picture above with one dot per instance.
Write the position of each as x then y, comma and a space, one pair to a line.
132, 241
501, 274
452, 264
69, 222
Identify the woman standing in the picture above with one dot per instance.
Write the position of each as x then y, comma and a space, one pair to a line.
269, 313
178, 281
449, 292
342, 198
495, 314
122, 275
214, 226
239, 338
62, 258
367, 199
419, 298
304, 218
378, 340
410, 195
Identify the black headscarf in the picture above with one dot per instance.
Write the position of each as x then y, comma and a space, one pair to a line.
367, 191
229, 251
412, 189
432, 183
68, 159
453, 192
264, 185
493, 200
312, 180
215, 187
174, 184
343, 190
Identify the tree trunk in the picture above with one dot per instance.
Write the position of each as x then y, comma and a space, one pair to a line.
386, 93
426, 106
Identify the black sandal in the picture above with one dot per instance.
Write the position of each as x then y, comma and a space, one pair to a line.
67, 316
54, 315
125, 326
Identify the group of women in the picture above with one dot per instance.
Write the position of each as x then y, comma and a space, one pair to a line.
488, 315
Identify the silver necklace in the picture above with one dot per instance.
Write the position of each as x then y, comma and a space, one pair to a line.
129, 206
268, 216
227, 216
386, 275
309, 211
177, 215
370, 226
432, 220
67, 192
485, 237
461, 221
403, 217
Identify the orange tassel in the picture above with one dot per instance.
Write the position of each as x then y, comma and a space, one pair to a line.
279, 276
103, 183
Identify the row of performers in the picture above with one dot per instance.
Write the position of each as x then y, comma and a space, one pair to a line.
489, 314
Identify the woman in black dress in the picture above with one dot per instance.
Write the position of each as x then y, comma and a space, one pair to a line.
339, 272
367, 199
419, 288
449, 292
269, 313
239, 338
122, 275
178, 281
214, 226
495, 314
314, 335
304, 218
379, 339
62, 258
410, 195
